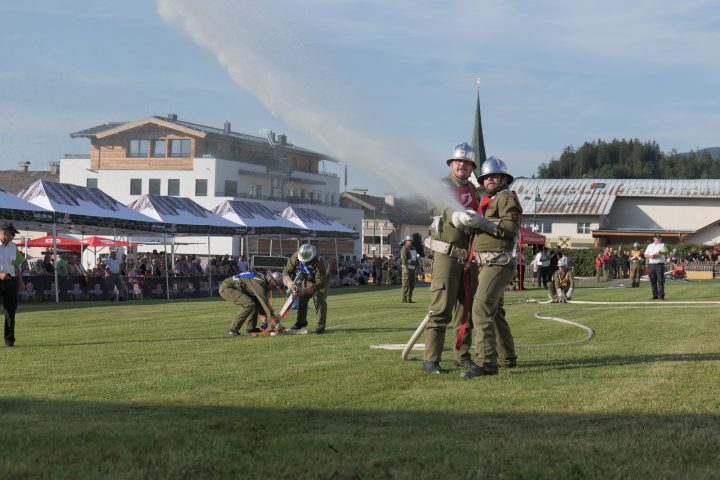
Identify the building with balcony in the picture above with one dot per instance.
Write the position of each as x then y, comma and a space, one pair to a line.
168, 156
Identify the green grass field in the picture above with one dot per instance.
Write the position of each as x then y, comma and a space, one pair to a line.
157, 390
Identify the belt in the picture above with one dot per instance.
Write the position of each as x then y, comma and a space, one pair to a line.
446, 248
494, 258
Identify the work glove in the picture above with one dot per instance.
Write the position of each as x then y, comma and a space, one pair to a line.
569, 293
471, 220
561, 296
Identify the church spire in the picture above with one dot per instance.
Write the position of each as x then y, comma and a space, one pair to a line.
478, 143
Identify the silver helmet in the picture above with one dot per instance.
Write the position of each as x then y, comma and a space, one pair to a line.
494, 165
563, 262
276, 277
463, 152
307, 252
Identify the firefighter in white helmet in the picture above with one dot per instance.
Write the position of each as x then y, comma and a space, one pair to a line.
560, 290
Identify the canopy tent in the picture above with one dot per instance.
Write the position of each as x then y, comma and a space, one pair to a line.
528, 237
82, 209
24, 215
105, 242
317, 224
257, 218
62, 243
183, 216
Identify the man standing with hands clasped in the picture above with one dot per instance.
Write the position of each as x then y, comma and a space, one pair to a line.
657, 254
454, 276
408, 262
11, 280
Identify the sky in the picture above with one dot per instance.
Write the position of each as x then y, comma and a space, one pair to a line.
388, 88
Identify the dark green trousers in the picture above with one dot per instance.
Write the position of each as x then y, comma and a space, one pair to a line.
408, 284
494, 341
446, 305
247, 304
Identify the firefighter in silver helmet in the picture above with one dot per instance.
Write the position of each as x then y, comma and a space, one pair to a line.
454, 276
494, 250
305, 274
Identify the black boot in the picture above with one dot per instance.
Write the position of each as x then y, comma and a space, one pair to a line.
433, 367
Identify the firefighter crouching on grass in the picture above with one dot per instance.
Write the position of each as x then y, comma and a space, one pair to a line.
495, 253
248, 290
560, 290
305, 274
454, 277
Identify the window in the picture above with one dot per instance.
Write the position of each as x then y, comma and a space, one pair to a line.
538, 226
91, 182
173, 187
230, 188
154, 186
136, 186
201, 187
159, 148
583, 227
302, 194
255, 191
180, 148
138, 148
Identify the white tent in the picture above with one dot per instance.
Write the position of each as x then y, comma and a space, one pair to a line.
258, 218
24, 215
317, 224
183, 216
85, 210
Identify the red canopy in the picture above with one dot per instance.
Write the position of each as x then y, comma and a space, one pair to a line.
105, 242
528, 237
47, 242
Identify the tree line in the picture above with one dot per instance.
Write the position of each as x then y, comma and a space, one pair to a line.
630, 159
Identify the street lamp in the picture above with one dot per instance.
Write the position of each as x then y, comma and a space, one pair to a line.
535, 225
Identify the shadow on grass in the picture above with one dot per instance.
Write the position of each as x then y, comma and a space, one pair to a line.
64, 439
614, 360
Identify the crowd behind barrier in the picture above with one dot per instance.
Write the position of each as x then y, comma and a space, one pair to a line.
144, 275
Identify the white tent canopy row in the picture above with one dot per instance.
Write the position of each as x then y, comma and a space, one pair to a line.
81, 210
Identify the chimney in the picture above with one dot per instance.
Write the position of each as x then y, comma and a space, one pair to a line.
282, 139
54, 168
172, 117
226, 128
390, 199
24, 166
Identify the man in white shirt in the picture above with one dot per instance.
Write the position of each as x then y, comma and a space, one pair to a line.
656, 254
114, 279
10, 279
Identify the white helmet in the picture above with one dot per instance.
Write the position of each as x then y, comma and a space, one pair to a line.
463, 152
636, 244
494, 165
563, 262
276, 277
307, 252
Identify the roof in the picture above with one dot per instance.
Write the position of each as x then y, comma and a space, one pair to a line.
317, 223
184, 215
84, 207
15, 180
596, 196
111, 127
255, 216
403, 212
